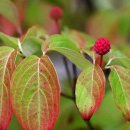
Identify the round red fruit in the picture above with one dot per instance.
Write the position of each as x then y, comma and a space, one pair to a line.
102, 46
56, 13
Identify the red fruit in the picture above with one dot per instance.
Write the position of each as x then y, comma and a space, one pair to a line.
102, 46
56, 13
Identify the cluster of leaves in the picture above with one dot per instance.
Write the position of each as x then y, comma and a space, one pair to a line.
30, 87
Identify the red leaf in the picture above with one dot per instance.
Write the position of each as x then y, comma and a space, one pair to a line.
90, 90
7, 66
35, 94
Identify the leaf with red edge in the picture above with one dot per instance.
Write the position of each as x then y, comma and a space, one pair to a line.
35, 93
7, 66
120, 83
90, 91
10, 22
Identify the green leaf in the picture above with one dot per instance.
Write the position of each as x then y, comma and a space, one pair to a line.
31, 46
125, 62
68, 48
90, 90
117, 58
35, 93
120, 83
61, 41
83, 40
9, 41
36, 32
7, 66
32, 41
8, 10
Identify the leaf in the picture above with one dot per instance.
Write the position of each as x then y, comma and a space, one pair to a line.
66, 47
76, 37
120, 83
90, 90
125, 62
61, 41
9, 41
117, 58
35, 93
34, 31
8, 10
32, 41
31, 46
108, 25
7, 66
83, 40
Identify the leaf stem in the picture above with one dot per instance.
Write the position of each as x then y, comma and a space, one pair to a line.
101, 60
90, 125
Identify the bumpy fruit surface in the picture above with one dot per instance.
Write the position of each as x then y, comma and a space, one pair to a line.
102, 46
56, 13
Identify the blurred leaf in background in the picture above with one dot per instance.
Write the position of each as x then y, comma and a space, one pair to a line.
9, 18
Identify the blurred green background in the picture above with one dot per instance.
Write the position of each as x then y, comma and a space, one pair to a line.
107, 18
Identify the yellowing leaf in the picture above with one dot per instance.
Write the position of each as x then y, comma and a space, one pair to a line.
35, 93
120, 83
90, 91
7, 66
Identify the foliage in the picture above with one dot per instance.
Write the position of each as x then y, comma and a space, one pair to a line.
30, 86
